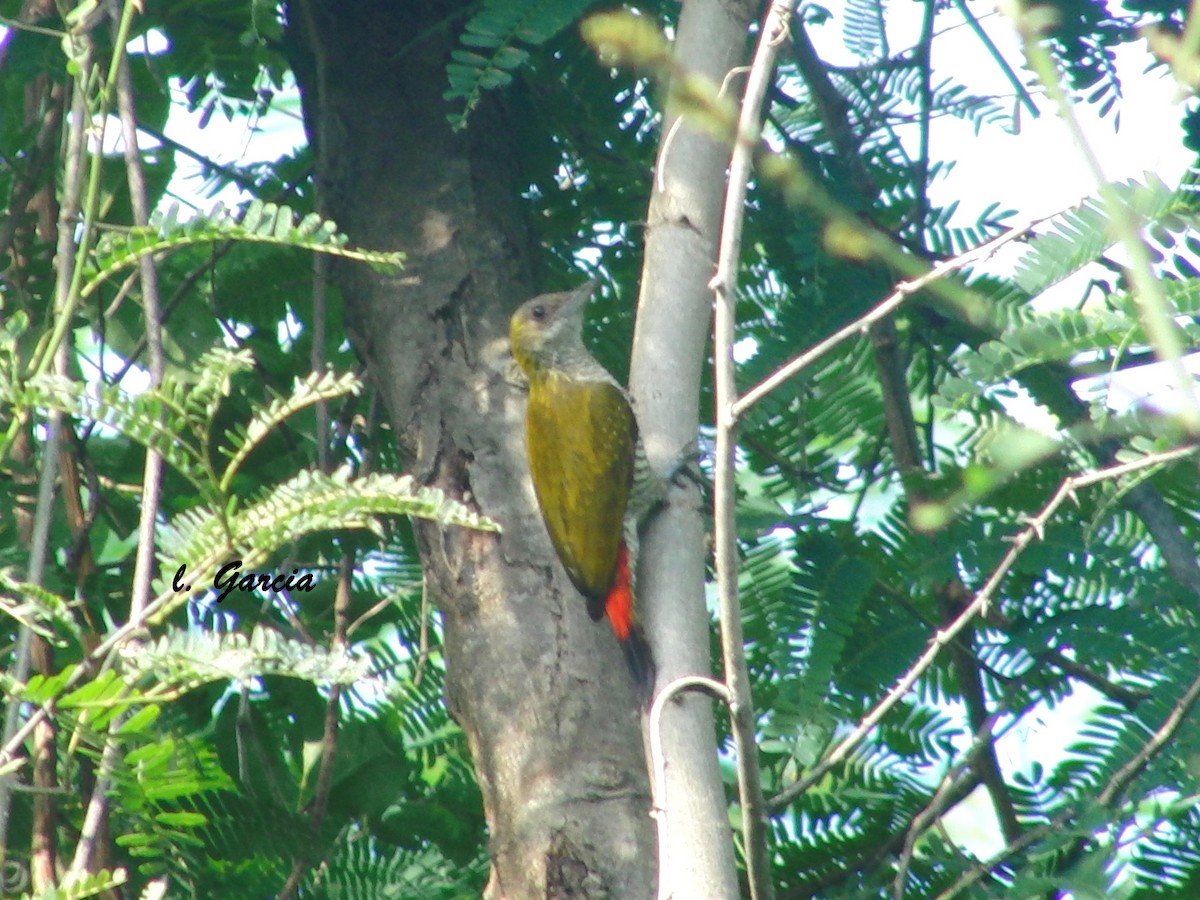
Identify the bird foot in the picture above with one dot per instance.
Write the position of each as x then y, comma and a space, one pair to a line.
686, 466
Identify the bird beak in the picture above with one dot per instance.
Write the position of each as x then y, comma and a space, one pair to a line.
579, 298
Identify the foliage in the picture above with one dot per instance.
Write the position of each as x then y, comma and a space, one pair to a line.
492, 48
259, 222
208, 715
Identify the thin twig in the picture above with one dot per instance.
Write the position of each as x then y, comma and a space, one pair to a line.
658, 759
894, 301
724, 285
977, 606
1165, 732
1128, 697
135, 174
245, 182
984, 38
20, 25
1154, 308
924, 59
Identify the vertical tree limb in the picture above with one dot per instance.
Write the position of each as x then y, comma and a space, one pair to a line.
668, 353
724, 284
135, 176
540, 691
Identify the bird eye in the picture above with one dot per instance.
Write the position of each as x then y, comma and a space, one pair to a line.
538, 312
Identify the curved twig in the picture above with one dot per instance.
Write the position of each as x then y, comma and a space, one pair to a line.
658, 758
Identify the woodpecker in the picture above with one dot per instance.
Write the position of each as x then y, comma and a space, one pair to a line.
589, 472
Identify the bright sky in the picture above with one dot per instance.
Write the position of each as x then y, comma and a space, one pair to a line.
1040, 175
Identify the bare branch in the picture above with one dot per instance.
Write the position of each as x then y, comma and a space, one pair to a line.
978, 606
894, 301
724, 285
135, 174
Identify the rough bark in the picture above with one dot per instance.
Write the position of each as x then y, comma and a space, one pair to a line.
539, 689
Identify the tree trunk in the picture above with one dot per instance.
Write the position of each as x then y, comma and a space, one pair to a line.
540, 690
674, 310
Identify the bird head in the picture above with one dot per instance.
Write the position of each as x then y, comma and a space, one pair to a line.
548, 330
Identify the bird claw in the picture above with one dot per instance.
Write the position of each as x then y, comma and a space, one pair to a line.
686, 465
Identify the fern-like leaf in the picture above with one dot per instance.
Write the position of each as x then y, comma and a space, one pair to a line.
82, 885
186, 659
491, 51
1079, 235
263, 223
43, 612
308, 502
863, 31
313, 389
156, 419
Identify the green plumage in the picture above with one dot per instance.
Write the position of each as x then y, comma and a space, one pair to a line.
580, 435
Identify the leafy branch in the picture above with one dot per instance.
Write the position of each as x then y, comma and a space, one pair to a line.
259, 223
978, 606
1031, 22
204, 537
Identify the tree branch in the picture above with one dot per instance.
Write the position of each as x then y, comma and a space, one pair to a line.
978, 605
135, 175
724, 284
986, 763
1115, 786
904, 290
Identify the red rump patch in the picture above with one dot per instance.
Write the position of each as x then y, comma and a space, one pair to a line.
618, 605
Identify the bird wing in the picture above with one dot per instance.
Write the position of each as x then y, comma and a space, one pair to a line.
580, 437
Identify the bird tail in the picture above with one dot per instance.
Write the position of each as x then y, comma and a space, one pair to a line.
641, 664
619, 607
